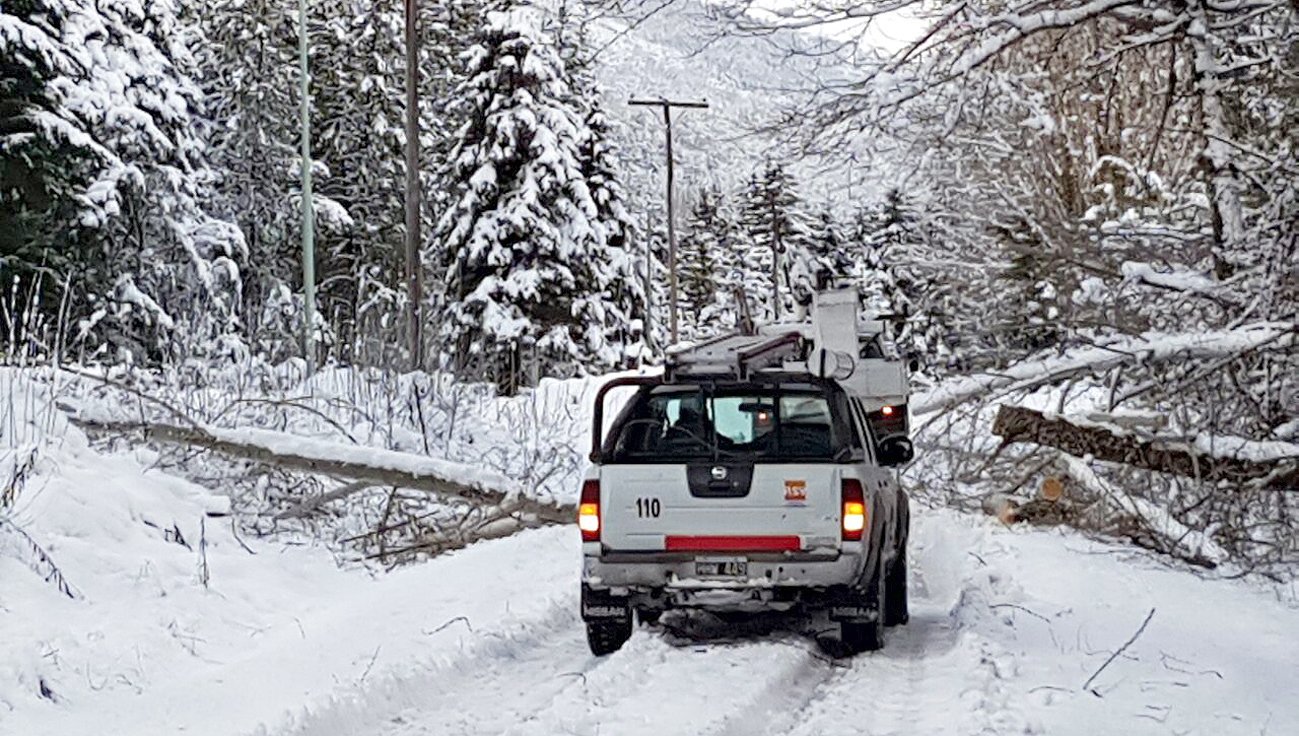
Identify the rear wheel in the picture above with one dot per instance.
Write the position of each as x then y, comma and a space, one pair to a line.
607, 637
868, 636
895, 608
648, 617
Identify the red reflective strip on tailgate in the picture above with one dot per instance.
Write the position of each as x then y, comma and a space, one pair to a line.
733, 544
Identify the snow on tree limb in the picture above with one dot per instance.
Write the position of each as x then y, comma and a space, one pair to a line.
1151, 348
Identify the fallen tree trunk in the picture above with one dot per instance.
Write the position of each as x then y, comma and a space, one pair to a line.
371, 465
454, 539
1109, 444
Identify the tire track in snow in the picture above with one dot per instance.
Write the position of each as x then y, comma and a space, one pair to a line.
650, 686
498, 694
937, 675
367, 709
776, 708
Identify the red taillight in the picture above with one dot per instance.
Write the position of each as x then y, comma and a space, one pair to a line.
854, 509
887, 411
588, 511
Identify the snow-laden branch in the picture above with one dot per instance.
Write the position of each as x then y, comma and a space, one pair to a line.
1144, 349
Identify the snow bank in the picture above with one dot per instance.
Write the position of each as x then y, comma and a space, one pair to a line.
171, 623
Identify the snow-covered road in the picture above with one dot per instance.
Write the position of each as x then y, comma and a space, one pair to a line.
767, 679
1007, 626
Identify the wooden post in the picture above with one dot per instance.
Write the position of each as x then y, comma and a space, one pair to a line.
672, 235
414, 281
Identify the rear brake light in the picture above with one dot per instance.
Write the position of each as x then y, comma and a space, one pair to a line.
854, 510
887, 411
588, 511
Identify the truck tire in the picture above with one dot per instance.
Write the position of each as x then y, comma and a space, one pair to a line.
608, 636
861, 637
896, 609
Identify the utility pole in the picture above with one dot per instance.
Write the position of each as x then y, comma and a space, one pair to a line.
308, 204
414, 278
667, 106
648, 330
777, 248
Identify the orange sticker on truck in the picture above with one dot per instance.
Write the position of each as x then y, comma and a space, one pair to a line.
795, 491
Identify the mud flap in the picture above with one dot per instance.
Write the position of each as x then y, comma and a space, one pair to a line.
852, 607
857, 614
601, 606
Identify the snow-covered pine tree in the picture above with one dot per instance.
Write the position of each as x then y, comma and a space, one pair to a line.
530, 281
697, 268
893, 244
781, 274
250, 81
176, 282
708, 267
598, 158
41, 170
828, 245
357, 55
154, 274
359, 136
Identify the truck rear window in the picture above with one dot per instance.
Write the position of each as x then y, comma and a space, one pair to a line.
682, 424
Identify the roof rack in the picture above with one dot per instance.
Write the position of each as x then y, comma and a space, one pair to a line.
736, 356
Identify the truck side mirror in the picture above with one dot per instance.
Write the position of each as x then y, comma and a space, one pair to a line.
895, 450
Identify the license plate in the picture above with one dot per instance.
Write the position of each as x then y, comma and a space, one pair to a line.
725, 567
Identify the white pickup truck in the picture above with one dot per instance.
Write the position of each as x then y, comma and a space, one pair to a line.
753, 475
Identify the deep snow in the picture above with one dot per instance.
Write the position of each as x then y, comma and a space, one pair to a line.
1008, 624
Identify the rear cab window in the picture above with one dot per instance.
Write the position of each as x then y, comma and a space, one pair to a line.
754, 423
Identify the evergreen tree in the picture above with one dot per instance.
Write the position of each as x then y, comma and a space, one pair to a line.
358, 78
828, 246
250, 82
708, 267
530, 276
777, 258
892, 244
111, 90
1031, 297
41, 172
597, 155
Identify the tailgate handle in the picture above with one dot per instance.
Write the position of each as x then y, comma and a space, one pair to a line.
733, 482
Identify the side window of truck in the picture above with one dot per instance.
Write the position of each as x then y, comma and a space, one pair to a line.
863, 429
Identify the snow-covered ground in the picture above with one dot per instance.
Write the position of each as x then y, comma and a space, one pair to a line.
1008, 625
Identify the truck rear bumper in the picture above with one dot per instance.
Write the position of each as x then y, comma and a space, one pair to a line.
676, 575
